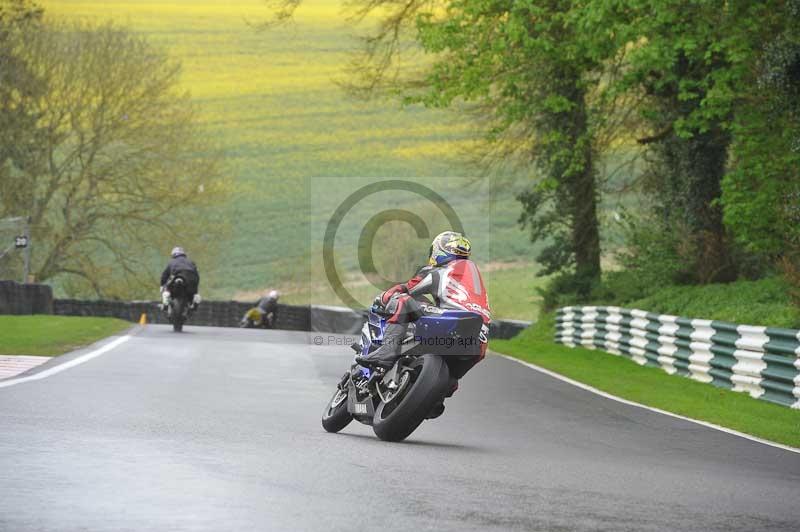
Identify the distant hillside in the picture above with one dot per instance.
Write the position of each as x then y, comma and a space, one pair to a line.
269, 99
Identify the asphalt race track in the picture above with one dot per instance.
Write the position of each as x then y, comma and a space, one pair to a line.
219, 430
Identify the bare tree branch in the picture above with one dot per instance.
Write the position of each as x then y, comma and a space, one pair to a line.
123, 159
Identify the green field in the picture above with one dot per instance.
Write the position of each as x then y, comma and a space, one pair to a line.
53, 335
512, 292
653, 387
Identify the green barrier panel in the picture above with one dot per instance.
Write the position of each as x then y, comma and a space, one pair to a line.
762, 361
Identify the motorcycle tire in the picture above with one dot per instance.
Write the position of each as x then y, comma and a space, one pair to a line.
397, 422
177, 315
335, 418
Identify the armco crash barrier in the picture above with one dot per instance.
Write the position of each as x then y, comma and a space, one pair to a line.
209, 313
762, 361
507, 329
18, 298
346, 321
340, 320
317, 318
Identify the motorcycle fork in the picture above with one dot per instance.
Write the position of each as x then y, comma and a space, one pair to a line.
393, 375
345, 380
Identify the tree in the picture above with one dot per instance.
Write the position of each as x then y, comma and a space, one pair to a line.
118, 165
691, 61
761, 191
19, 86
525, 72
19, 132
531, 72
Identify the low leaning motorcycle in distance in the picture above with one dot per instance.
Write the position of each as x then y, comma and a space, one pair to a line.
255, 318
396, 401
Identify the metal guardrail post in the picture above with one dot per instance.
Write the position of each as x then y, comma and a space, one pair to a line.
27, 252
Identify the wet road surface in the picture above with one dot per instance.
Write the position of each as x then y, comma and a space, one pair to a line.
218, 430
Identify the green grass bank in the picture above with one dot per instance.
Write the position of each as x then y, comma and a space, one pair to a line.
53, 335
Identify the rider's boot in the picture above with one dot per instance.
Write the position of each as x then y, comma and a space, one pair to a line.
164, 300
436, 411
195, 301
389, 351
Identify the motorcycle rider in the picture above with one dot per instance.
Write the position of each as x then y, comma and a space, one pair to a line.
267, 306
454, 282
180, 266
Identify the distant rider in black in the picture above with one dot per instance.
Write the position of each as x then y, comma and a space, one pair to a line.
180, 266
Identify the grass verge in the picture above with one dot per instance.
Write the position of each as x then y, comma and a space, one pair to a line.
763, 302
45, 335
653, 387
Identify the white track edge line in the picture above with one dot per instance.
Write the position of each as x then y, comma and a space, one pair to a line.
650, 408
66, 365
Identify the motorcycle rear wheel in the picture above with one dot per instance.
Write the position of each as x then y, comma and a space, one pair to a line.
177, 315
395, 422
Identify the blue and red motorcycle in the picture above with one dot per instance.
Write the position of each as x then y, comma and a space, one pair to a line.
439, 348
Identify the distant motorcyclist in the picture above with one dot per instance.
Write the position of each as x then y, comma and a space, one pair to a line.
180, 266
450, 278
263, 313
269, 303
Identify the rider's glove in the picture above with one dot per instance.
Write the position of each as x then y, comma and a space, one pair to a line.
387, 295
377, 305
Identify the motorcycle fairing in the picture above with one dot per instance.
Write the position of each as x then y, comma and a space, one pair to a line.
439, 331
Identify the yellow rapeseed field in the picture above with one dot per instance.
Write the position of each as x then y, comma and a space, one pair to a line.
263, 89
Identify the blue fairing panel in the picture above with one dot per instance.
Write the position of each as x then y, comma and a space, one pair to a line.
438, 332
449, 323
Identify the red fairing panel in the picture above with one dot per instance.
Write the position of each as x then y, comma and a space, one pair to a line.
462, 287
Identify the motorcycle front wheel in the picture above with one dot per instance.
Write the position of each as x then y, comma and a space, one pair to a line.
397, 418
336, 417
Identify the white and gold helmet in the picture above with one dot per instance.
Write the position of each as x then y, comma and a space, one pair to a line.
449, 246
